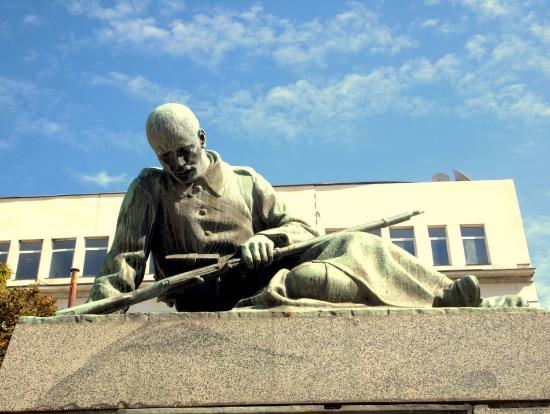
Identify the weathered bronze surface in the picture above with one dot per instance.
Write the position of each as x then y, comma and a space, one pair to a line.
219, 268
198, 205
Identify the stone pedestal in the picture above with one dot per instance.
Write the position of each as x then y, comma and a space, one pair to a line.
347, 360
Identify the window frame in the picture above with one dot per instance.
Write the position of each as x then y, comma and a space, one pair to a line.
73, 249
444, 238
7, 252
484, 238
413, 238
21, 252
86, 249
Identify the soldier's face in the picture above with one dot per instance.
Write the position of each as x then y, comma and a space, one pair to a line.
183, 160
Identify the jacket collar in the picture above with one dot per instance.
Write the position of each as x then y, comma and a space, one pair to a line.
214, 176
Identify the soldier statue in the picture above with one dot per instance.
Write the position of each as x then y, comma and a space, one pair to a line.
200, 206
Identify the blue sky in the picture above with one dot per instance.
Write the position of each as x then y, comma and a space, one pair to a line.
304, 91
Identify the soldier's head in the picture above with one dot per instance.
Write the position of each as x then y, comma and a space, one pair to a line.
174, 133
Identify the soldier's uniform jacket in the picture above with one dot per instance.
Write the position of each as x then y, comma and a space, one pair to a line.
217, 212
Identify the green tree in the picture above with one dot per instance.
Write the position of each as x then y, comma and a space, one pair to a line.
19, 302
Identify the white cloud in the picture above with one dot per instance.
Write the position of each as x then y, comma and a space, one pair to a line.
100, 138
169, 7
542, 31
14, 93
30, 56
102, 179
355, 30
142, 88
537, 229
93, 9
520, 55
38, 126
491, 8
444, 27
207, 38
430, 23
508, 102
474, 46
424, 71
32, 20
303, 109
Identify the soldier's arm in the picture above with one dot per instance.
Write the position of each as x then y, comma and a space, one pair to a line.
124, 266
277, 223
277, 226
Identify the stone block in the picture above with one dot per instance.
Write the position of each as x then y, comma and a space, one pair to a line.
281, 357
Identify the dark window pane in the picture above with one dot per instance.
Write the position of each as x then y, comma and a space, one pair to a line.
30, 246
475, 251
401, 233
439, 252
101, 243
4, 248
407, 245
63, 244
27, 267
61, 263
437, 232
472, 231
93, 261
376, 232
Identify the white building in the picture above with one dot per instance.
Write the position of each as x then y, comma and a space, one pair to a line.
469, 227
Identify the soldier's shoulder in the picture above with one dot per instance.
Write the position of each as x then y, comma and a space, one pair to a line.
243, 171
150, 177
151, 173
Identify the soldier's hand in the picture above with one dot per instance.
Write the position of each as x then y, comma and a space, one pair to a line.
257, 251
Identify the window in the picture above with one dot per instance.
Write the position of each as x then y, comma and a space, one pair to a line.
438, 240
96, 250
404, 238
29, 259
62, 258
475, 249
4, 248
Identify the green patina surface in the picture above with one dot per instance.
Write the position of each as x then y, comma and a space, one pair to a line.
271, 313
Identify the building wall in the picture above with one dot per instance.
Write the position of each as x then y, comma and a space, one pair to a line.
492, 204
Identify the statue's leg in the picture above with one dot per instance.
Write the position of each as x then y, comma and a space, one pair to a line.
321, 281
380, 273
364, 269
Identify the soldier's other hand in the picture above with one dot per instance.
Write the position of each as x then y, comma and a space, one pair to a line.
257, 251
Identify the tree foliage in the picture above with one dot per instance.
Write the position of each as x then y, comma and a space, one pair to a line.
15, 302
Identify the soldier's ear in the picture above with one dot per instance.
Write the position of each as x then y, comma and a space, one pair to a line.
202, 137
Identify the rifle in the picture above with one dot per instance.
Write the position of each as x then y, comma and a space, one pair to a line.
213, 271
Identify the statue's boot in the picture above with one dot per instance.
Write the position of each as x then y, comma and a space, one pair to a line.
463, 292
505, 301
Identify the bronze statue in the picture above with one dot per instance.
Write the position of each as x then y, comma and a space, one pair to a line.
200, 207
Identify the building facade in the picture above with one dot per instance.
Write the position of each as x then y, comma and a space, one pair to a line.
469, 227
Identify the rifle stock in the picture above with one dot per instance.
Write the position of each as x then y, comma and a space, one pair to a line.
205, 273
